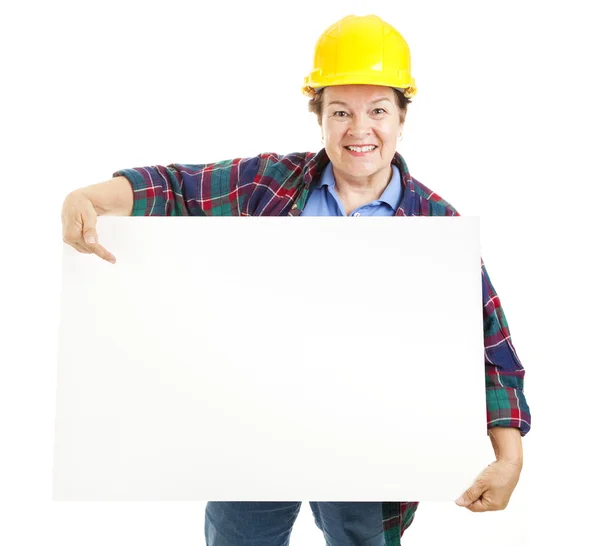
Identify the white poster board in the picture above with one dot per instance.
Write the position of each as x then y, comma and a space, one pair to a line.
272, 359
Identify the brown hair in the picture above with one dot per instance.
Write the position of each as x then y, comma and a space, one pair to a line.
315, 105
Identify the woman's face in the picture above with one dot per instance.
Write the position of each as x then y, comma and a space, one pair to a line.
360, 115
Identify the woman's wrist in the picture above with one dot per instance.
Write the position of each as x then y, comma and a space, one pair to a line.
112, 198
507, 444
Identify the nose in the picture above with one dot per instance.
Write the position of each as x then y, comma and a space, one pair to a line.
360, 127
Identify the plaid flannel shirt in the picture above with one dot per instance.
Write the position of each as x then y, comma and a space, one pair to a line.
270, 184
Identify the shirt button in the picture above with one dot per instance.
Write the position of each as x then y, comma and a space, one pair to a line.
356, 214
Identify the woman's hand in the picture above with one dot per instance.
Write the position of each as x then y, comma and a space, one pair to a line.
79, 219
492, 488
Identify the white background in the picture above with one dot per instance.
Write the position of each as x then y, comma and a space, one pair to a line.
504, 126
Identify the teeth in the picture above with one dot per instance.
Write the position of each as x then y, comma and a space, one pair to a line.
361, 148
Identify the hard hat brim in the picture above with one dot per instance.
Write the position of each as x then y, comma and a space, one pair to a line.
405, 84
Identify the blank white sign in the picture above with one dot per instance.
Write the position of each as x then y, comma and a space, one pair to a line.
272, 359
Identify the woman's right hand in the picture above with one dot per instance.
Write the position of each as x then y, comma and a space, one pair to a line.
79, 219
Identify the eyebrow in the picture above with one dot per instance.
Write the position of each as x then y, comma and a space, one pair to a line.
345, 104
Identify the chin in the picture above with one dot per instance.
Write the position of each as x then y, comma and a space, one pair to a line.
359, 168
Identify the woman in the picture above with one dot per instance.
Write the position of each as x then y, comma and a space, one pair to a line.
359, 89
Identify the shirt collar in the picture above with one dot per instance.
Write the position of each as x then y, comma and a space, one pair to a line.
391, 194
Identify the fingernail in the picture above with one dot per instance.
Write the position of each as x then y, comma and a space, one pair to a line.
460, 501
90, 239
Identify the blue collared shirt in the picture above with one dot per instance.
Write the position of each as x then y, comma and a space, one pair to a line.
325, 201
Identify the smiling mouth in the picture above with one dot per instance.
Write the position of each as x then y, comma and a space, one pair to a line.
360, 150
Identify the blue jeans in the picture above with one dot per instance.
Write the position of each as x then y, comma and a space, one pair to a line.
270, 523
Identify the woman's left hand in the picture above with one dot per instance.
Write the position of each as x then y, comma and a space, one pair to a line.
492, 488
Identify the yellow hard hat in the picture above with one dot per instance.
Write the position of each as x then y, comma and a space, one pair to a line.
361, 50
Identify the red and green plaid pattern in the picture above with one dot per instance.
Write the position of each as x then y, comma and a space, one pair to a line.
278, 185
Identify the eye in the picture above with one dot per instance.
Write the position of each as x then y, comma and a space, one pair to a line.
335, 114
379, 111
